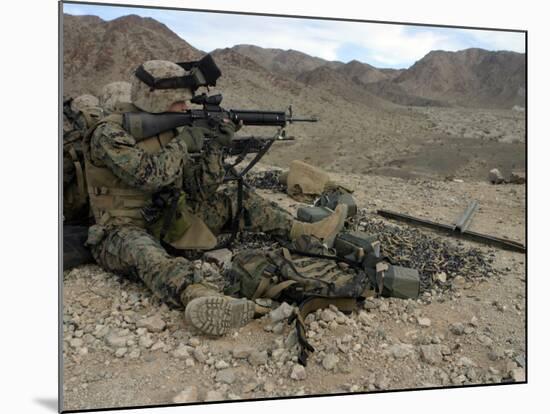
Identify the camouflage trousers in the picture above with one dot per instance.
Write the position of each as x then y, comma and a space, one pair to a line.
259, 215
134, 253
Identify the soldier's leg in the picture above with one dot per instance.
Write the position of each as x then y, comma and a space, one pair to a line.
259, 214
134, 253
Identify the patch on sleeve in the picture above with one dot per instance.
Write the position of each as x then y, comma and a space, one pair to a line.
122, 138
117, 136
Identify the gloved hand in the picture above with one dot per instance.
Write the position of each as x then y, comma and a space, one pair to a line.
193, 138
227, 130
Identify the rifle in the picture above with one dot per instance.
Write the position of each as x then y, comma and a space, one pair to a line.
242, 146
253, 144
143, 125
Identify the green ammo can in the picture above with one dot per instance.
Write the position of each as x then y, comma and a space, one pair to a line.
401, 282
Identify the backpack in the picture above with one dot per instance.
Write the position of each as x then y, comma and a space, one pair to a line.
308, 274
75, 194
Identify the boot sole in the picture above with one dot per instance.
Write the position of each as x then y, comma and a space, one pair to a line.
216, 315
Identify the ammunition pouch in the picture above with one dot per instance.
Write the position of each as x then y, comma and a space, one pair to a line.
401, 282
310, 214
170, 221
356, 246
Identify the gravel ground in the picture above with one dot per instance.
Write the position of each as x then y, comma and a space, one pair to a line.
123, 347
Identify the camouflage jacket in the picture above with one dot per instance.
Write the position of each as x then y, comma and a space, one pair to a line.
117, 164
139, 165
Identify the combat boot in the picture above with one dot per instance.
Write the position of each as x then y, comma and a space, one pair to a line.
325, 229
213, 313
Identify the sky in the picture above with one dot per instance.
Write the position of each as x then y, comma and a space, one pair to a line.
378, 44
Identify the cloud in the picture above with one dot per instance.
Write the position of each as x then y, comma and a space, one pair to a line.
394, 45
382, 45
268, 32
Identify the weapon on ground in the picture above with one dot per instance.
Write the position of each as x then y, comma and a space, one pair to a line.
143, 125
455, 231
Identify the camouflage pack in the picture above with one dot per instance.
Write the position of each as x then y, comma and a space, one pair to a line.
312, 277
75, 125
311, 280
286, 275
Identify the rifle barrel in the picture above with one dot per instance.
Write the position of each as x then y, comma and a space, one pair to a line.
262, 138
297, 119
143, 125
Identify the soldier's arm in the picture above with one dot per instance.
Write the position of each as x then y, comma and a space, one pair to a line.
117, 149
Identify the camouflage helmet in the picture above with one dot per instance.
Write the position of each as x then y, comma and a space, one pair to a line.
158, 100
114, 93
82, 102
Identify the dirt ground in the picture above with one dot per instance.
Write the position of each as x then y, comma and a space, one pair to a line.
116, 355
431, 143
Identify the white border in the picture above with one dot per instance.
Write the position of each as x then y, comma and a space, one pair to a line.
29, 203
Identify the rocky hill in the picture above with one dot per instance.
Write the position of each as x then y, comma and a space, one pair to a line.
471, 77
355, 129
474, 77
362, 72
96, 52
365, 115
342, 83
392, 73
285, 62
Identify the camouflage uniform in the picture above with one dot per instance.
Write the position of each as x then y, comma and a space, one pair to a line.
78, 115
216, 207
123, 245
259, 215
179, 194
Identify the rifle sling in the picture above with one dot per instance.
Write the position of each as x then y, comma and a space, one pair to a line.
170, 214
350, 262
257, 158
240, 182
311, 304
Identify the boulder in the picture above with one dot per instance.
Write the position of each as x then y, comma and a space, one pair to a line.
517, 177
495, 176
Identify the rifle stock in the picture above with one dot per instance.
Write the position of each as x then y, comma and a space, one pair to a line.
142, 125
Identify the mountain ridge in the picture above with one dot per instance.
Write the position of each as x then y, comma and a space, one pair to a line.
97, 51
